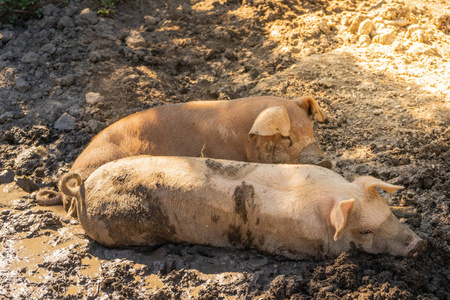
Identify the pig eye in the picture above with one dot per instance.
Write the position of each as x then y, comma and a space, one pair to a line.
367, 231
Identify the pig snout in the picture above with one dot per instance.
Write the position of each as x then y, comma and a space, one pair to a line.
313, 155
418, 246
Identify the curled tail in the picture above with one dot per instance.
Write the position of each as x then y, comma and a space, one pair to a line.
48, 197
65, 188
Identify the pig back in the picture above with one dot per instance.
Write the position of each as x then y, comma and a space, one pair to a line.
151, 200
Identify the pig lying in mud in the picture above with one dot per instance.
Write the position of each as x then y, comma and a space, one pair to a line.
258, 129
298, 211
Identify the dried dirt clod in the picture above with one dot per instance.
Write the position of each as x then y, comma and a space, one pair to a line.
89, 15
6, 176
364, 39
26, 184
385, 38
136, 40
411, 29
21, 84
354, 26
65, 122
30, 57
65, 22
93, 98
365, 27
6, 36
419, 36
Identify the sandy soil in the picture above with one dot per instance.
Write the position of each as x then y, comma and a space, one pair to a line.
379, 70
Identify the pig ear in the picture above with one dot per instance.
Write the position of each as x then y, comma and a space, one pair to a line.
339, 215
311, 107
369, 183
271, 121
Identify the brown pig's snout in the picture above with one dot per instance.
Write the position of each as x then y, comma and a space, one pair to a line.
313, 155
418, 249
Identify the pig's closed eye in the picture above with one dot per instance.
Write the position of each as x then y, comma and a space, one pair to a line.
367, 231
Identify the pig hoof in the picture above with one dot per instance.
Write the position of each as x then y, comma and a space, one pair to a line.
48, 197
420, 248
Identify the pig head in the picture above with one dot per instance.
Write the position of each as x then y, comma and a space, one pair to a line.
298, 211
369, 223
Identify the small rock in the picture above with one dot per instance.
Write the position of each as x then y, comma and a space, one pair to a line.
21, 84
65, 122
30, 57
26, 184
6, 36
67, 80
365, 27
398, 23
135, 39
89, 16
65, 22
364, 39
6, 176
354, 26
384, 38
93, 98
48, 48
150, 20
377, 112
95, 126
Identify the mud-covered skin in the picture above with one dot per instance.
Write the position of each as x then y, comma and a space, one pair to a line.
147, 200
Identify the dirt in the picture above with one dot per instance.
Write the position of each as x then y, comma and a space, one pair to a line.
384, 87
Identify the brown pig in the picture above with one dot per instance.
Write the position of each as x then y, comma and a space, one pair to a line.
298, 211
258, 129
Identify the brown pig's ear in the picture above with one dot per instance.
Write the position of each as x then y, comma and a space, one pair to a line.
339, 215
311, 107
369, 183
271, 121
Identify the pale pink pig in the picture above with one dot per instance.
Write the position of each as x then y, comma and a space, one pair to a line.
298, 211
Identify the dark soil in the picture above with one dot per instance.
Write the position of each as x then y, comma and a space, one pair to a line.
385, 96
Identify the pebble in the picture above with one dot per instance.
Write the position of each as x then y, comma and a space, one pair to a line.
89, 16
6, 176
65, 122
365, 27
21, 84
419, 36
93, 98
135, 39
377, 112
30, 57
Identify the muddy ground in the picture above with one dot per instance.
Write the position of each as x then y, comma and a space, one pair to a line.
384, 87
